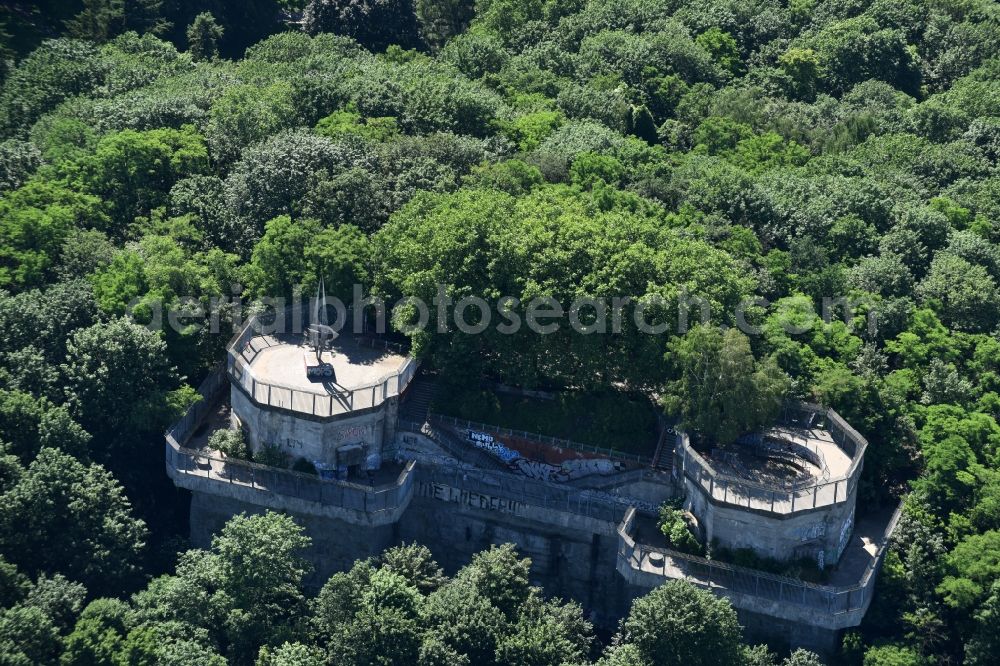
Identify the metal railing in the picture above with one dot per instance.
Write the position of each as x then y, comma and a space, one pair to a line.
720, 576
567, 497
381, 343
542, 439
459, 450
323, 404
525, 491
344, 494
211, 390
777, 497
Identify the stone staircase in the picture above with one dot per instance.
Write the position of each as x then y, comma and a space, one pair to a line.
663, 459
418, 399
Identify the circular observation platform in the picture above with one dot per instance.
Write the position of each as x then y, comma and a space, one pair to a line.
811, 458
271, 369
784, 457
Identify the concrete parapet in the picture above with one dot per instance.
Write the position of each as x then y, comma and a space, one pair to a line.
276, 488
720, 488
811, 518
267, 365
284, 490
577, 537
829, 607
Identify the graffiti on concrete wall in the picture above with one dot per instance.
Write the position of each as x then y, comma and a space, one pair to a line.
444, 493
811, 532
356, 432
539, 470
488, 443
845, 534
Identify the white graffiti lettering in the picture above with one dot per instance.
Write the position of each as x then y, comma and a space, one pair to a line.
444, 493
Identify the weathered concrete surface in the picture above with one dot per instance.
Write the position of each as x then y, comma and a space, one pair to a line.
281, 360
313, 439
573, 542
571, 556
820, 534
779, 633
353, 507
568, 561
336, 543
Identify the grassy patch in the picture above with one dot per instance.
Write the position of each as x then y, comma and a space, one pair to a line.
609, 419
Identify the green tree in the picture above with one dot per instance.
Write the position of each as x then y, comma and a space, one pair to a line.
893, 655
964, 295
134, 171
291, 654
279, 259
721, 391
28, 424
376, 24
973, 566
247, 114
546, 634
101, 20
119, 380
802, 66
35, 220
62, 515
261, 568
723, 49
415, 563
28, 636
97, 638
500, 576
466, 621
678, 624
203, 37
440, 20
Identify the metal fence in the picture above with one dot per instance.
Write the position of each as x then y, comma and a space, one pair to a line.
543, 439
324, 404
720, 576
372, 499
307, 487
461, 451
327, 403
775, 497
526, 491
210, 390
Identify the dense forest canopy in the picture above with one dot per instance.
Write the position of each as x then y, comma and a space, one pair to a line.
159, 154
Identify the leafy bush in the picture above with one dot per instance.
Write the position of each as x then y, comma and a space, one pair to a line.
229, 441
271, 455
304, 466
674, 525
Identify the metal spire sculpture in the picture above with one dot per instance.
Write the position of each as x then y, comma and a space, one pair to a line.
321, 336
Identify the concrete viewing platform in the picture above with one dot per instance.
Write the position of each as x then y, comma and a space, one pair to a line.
271, 369
280, 360
839, 603
802, 464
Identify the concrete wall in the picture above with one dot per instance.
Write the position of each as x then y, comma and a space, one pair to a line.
569, 559
820, 533
336, 543
313, 438
779, 633
572, 556
788, 635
